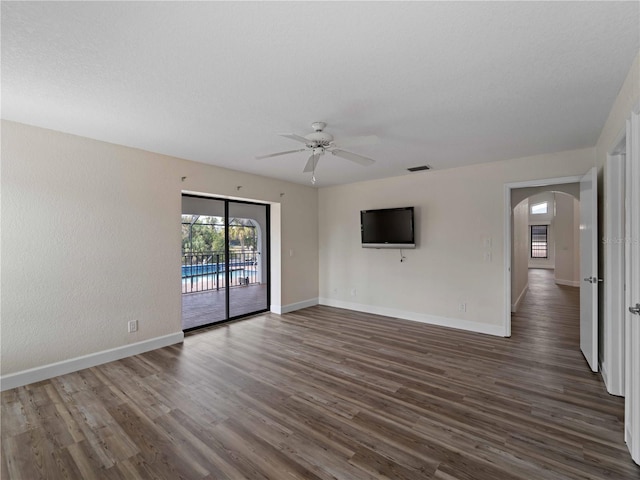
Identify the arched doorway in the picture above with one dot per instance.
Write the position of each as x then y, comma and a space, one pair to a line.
545, 235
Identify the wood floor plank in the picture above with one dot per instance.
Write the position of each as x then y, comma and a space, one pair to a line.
324, 394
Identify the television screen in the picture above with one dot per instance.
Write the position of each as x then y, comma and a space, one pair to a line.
387, 228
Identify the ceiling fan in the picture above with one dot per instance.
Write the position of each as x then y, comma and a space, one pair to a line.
320, 142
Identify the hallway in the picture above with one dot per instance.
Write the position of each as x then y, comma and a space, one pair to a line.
549, 316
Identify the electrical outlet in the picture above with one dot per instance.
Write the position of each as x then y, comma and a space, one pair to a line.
335, 290
353, 292
133, 326
487, 257
462, 307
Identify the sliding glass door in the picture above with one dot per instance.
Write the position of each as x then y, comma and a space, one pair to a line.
225, 260
248, 261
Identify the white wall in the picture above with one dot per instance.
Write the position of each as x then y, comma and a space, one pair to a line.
519, 254
612, 330
627, 99
457, 210
91, 239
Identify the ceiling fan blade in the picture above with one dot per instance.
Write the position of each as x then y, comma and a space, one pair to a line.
357, 141
293, 136
354, 157
260, 157
311, 163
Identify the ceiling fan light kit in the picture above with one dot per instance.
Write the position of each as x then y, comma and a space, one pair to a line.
320, 142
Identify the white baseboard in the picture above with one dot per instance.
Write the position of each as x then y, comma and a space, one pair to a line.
568, 283
51, 370
515, 306
280, 309
496, 330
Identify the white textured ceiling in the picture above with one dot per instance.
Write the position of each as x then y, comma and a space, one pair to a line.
441, 83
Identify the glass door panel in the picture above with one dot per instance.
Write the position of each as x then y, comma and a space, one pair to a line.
248, 228
204, 299
225, 260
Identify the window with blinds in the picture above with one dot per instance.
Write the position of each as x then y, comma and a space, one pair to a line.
539, 241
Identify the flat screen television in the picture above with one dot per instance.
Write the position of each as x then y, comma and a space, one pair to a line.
387, 228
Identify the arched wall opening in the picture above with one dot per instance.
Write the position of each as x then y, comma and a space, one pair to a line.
544, 234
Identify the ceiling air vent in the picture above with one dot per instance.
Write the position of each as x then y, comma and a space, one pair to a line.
420, 168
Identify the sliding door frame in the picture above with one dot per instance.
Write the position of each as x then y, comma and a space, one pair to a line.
266, 233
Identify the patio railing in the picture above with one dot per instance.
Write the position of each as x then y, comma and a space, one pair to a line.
205, 271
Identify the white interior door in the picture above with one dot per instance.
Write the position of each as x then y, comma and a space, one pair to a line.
632, 291
615, 303
589, 268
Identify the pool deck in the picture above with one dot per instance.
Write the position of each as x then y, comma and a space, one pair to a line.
202, 308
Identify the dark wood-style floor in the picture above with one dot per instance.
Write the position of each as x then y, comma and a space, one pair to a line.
324, 393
